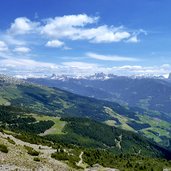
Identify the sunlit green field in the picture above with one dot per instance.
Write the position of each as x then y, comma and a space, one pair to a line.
56, 128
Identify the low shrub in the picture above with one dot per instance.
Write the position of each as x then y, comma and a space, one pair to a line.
31, 151
36, 159
3, 148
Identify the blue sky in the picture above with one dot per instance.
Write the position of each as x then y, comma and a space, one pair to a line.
123, 37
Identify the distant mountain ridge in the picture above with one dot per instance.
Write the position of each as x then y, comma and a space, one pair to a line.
150, 97
149, 93
96, 76
53, 101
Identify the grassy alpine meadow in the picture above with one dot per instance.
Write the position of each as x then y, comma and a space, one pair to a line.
58, 126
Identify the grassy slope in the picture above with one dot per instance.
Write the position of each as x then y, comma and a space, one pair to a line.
57, 128
80, 131
18, 158
55, 102
91, 136
157, 128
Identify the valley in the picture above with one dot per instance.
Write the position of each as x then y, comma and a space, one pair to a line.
81, 131
131, 93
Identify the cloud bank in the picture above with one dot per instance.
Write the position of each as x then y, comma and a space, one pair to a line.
24, 36
69, 27
27, 67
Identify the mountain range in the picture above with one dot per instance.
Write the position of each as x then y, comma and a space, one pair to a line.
79, 125
148, 93
150, 97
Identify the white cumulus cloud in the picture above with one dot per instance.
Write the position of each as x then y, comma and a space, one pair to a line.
68, 27
23, 25
74, 27
54, 43
22, 49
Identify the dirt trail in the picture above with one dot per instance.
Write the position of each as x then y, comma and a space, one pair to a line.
81, 159
118, 142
